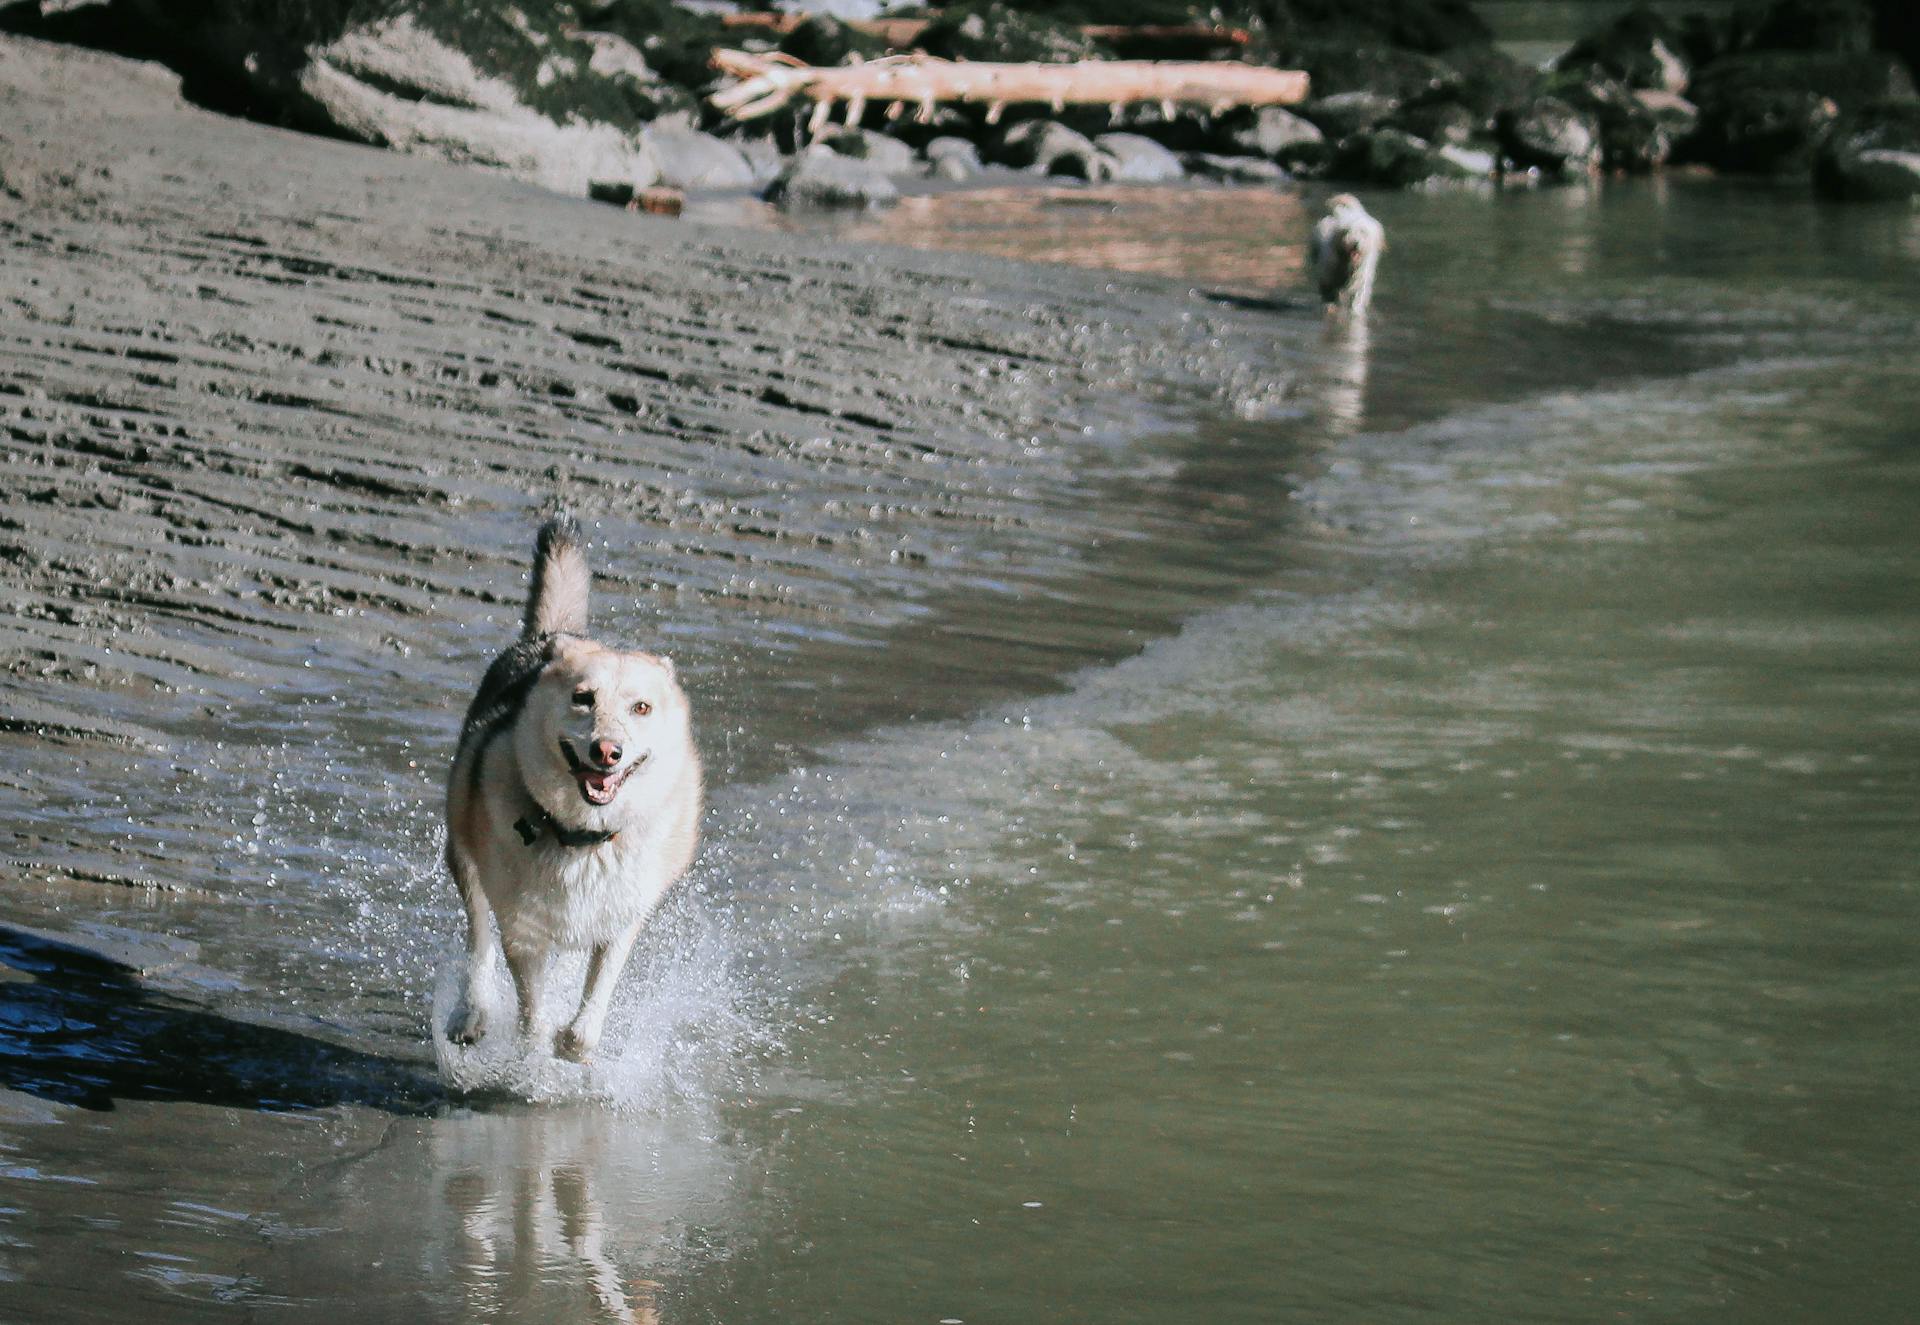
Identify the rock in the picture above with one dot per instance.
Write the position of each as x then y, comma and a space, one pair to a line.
996, 31
1439, 122
393, 85
821, 178
520, 88
1874, 153
399, 57
950, 145
1292, 142
1094, 167
1880, 173
689, 159
1030, 144
1138, 160
615, 57
1049, 148
1634, 136
1265, 131
762, 155
1639, 49
952, 158
1763, 130
1233, 169
889, 154
1397, 159
953, 170
1549, 135
1668, 107
1347, 113
1635, 144
1849, 81
1473, 162
1767, 112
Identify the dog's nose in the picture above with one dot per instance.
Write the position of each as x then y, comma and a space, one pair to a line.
606, 753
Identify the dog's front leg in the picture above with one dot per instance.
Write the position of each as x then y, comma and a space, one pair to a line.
525, 965
577, 1039
469, 1020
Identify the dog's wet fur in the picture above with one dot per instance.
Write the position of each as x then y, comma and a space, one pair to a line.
574, 802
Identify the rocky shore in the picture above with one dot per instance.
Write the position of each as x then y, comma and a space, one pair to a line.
607, 99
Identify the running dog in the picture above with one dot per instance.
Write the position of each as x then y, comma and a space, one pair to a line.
574, 801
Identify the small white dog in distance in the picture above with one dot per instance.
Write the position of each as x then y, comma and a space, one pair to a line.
574, 802
1345, 252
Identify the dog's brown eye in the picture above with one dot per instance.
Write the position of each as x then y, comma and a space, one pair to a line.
641, 708
583, 699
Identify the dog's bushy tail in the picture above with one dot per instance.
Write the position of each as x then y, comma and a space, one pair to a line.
557, 598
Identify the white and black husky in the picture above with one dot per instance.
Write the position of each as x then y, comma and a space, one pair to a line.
574, 802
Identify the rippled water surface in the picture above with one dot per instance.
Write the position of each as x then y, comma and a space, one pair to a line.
1449, 856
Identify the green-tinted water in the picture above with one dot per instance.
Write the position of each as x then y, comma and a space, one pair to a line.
1530, 934
1506, 910
1494, 899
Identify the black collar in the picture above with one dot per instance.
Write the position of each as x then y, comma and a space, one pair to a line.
537, 821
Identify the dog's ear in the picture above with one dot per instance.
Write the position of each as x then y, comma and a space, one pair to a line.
667, 663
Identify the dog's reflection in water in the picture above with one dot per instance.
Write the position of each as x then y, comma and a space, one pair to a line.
544, 1203
1338, 390
504, 1211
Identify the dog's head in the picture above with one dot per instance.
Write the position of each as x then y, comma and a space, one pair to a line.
600, 724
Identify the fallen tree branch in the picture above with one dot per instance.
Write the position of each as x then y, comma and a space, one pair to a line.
768, 82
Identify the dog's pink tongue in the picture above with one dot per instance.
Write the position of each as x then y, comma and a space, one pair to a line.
598, 786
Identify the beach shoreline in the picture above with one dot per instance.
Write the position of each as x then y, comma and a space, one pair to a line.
283, 412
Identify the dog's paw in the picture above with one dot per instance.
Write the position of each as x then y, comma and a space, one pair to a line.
467, 1026
573, 1044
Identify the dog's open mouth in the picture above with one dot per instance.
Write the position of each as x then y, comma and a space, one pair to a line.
597, 785
601, 788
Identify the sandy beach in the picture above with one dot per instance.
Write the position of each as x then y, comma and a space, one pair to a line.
278, 404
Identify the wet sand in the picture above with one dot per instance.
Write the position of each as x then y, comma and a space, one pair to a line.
281, 412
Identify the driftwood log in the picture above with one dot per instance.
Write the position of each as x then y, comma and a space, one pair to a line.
768, 82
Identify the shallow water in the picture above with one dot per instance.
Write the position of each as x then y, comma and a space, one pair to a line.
1445, 854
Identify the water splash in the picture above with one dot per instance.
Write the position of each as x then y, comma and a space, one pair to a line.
681, 1028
